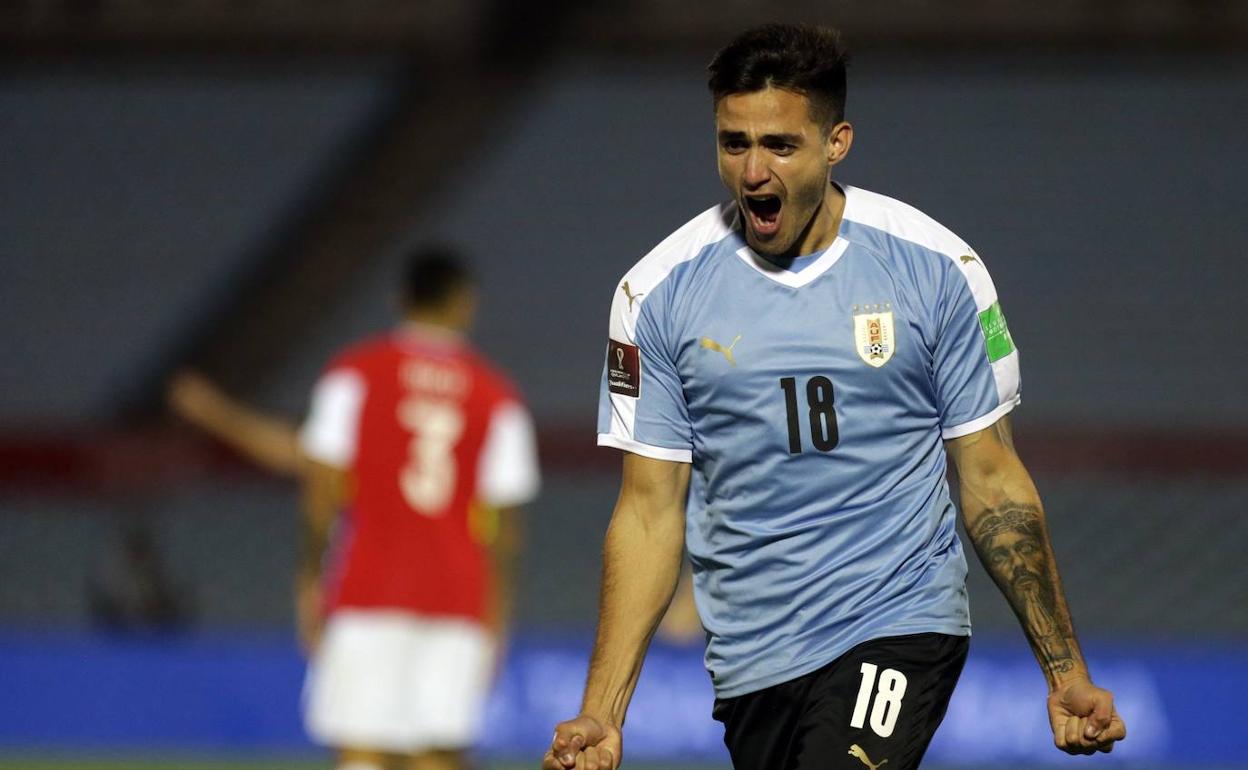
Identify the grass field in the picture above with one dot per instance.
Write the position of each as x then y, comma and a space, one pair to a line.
63, 763
242, 763
119, 763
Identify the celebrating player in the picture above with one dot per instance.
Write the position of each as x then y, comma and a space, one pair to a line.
808, 354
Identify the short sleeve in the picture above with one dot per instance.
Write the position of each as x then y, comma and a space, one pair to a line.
330, 433
976, 363
641, 406
508, 474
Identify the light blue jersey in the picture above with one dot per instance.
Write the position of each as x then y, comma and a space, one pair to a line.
812, 403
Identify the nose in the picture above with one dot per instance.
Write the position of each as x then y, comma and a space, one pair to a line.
757, 172
1018, 563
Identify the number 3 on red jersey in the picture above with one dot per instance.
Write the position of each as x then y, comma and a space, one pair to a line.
427, 479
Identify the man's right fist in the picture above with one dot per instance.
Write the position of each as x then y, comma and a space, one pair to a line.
584, 743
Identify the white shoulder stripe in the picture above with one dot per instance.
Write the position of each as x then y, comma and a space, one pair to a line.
909, 224
711, 226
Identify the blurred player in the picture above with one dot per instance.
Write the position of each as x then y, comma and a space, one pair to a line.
416, 437
427, 450
803, 358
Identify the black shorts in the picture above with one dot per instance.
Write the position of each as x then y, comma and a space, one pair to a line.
882, 700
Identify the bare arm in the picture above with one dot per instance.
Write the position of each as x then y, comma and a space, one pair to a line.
681, 624
505, 546
641, 565
1003, 515
324, 491
270, 442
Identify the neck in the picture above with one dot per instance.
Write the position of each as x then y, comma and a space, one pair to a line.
440, 322
823, 226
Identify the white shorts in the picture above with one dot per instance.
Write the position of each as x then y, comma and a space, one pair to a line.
391, 681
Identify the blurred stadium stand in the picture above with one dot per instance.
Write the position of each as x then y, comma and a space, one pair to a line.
447, 27
1159, 557
231, 185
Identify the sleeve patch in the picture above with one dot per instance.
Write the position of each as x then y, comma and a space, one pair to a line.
623, 369
997, 339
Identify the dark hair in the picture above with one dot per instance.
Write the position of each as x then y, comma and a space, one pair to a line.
803, 58
432, 275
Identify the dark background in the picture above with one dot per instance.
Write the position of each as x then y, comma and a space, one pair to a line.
232, 186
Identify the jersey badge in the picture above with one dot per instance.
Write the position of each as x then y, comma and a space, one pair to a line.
969, 258
711, 344
873, 333
631, 297
623, 369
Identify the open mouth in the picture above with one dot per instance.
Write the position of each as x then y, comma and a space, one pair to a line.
764, 213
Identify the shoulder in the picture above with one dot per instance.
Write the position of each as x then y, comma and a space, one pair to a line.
362, 355
492, 381
684, 245
910, 240
882, 217
693, 240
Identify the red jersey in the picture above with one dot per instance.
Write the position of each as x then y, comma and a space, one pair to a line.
429, 432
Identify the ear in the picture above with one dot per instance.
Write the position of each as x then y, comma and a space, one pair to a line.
840, 137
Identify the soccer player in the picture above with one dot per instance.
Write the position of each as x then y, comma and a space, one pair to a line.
428, 451
417, 438
805, 357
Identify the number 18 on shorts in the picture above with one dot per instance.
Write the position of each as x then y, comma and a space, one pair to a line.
879, 703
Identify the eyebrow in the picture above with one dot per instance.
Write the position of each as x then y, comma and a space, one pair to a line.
725, 136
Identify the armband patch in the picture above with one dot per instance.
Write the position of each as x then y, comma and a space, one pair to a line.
997, 340
623, 369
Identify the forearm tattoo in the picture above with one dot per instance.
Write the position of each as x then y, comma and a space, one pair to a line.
1012, 542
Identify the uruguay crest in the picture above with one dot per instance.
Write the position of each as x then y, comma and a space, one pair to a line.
873, 333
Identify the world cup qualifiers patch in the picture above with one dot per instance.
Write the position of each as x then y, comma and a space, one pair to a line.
997, 340
623, 369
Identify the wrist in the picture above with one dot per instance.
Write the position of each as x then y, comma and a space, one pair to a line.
1062, 680
603, 714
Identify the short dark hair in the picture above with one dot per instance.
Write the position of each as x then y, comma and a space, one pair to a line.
803, 58
432, 275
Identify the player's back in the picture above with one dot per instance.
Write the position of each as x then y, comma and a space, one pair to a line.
411, 537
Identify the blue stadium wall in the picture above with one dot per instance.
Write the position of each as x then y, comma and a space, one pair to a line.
214, 694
